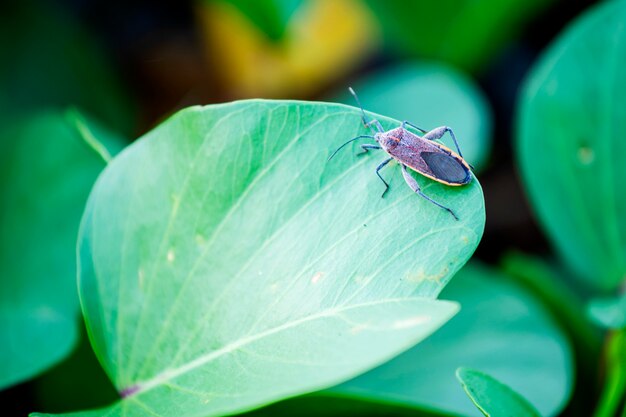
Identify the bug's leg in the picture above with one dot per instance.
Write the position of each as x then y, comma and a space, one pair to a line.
416, 188
406, 122
438, 132
375, 123
366, 148
381, 166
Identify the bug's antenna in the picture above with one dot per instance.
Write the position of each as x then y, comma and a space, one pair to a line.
365, 122
351, 140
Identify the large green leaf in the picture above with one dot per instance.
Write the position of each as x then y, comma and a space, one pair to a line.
464, 33
500, 329
225, 264
48, 168
431, 95
493, 398
570, 148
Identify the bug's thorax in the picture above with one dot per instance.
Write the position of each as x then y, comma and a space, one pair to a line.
390, 139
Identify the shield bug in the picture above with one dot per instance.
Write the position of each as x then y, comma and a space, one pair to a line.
419, 153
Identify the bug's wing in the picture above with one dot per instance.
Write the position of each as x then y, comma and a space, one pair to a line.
446, 167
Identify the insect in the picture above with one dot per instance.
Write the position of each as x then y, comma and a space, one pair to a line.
420, 153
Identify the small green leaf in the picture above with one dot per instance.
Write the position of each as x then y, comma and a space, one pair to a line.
493, 398
501, 328
47, 172
429, 96
609, 312
226, 264
570, 148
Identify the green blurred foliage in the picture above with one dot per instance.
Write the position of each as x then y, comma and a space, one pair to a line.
463, 33
271, 16
47, 59
611, 402
609, 312
47, 171
570, 148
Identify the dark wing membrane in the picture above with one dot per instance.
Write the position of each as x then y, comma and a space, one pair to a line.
446, 167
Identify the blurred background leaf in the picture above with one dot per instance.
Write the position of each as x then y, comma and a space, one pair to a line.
552, 286
570, 148
430, 95
609, 312
323, 40
48, 59
466, 34
270, 16
47, 171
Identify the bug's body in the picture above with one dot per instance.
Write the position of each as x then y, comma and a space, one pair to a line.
426, 157
420, 153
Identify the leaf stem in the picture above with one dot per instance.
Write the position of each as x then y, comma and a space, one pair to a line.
613, 394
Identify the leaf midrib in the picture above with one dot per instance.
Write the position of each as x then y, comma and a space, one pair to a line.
171, 374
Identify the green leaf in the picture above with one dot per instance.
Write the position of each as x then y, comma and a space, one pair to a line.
493, 398
50, 60
570, 148
609, 312
466, 34
430, 95
226, 264
47, 172
501, 328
